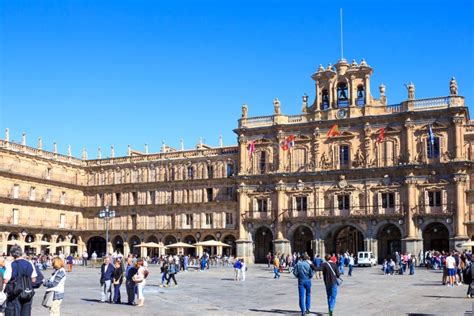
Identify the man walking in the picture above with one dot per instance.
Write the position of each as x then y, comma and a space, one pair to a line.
330, 275
351, 264
106, 275
130, 271
85, 256
451, 269
304, 273
276, 267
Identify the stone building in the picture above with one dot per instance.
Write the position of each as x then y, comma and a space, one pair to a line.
351, 172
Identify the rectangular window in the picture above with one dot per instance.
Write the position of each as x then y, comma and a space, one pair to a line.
209, 219
62, 220
230, 193
48, 173
433, 147
32, 193
101, 199
344, 155
210, 172
343, 202
301, 203
16, 191
49, 193
263, 162
434, 198
62, 199
262, 205
134, 198
190, 173
118, 199
230, 170
388, 200
229, 218
152, 196
15, 216
189, 219
209, 194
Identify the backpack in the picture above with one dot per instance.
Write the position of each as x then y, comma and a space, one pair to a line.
39, 278
21, 286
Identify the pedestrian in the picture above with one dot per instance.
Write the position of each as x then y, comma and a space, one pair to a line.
164, 272
94, 259
172, 271
269, 259
304, 273
411, 264
186, 263
451, 269
351, 263
140, 280
3, 296
85, 256
341, 264
317, 263
106, 275
243, 269
468, 272
237, 269
55, 284
18, 270
117, 281
130, 271
331, 276
69, 261
276, 267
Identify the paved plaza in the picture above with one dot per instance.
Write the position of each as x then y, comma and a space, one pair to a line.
214, 292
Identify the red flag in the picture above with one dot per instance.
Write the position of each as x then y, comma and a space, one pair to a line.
381, 136
288, 142
333, 131
251, 149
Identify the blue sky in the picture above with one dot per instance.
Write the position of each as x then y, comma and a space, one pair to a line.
100, 73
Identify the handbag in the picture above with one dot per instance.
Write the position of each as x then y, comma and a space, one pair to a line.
338, 280
48, 299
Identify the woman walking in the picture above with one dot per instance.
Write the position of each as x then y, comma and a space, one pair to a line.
140, 281
117, 281
55, 284
172, 270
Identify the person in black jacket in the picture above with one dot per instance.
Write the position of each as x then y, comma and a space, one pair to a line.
130, 271
117, 280
330, 276
106, 274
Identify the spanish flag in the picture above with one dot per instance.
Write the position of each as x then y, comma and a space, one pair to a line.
333, 131
381, 136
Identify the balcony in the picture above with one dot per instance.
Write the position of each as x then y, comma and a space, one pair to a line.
443, 209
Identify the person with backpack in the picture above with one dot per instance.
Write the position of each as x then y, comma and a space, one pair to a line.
172, 270
19, 276
304, 272
331, 276
56, 285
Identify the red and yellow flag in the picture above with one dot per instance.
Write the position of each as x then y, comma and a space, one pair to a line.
333, 131
381, 136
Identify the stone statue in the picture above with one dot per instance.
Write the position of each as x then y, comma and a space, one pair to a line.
276, 105
7, 134
411, 91
453, 86
358, 159
383, 98
304, 107
244, 111
324, 161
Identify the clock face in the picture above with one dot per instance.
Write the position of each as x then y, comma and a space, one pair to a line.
341, 114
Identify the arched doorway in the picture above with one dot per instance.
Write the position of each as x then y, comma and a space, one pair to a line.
134, 240
348, 238
45, 247
263, 244
30, 248
389, 241
73, 249
302, 238
210, 250
190, 240
436, 237
12, 239
152, 252
60, 249
230, 240
170, 240
97, 244
117, 244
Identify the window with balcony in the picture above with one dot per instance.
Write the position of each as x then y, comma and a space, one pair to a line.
118, 199
62, 220
152, 196
432, 147
210, 195
15, 216
135, 198
190, 173
301, 203
343, 202
262, 205
229, 219
262, 164
434, 198
344, 155
48, 173
48, 196
189, 219
209, 219
210, 172
230, 170
16, 191
62, 198
32, 193
388, 200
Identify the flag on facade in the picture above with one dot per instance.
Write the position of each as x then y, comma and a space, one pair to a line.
251, 149
288, 142
381, 135
333, 131
431, 135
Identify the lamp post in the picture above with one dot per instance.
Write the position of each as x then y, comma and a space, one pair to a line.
106, 214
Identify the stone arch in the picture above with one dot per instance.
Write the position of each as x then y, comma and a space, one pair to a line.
389, 241
256, 227
230, 240
301, 240
190, 240
133, 241
117, 244
263, 243
170, 239
345, 237
436, 236
96, 244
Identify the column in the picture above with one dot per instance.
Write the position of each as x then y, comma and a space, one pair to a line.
243, 244
281, 153
242, 155
460, 203
410, 154
316, 147
126, 249
458, 137
281, 244
411, 205
4, 236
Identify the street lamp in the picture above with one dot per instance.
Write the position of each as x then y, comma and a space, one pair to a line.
106, 215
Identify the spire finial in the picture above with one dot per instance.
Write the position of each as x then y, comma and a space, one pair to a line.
129, 150
181, 144
69, 151
7, 134
84, 154
221, 141
342, 39
23, 139
99, 153
146, 149
40, 143
55, 147
112, 152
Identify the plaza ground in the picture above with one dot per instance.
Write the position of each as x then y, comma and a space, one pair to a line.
214, 292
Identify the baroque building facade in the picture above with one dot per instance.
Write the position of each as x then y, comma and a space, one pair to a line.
350, 172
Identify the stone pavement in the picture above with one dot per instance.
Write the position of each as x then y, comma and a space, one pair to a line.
214, 292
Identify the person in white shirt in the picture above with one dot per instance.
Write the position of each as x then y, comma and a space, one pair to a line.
243, 269
451, 266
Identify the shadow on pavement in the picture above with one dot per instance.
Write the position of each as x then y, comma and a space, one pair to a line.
444, 296
281, 311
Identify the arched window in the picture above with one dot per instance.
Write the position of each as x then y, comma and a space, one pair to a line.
342, 95
360, 95
325, 100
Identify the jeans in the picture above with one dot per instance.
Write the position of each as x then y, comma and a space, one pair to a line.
163, 277
304, 291
130, 286
172, 276
277, 273
117, 293
106, 292
15, 308
331, 291
341, 269
412, 269
84, 262
350, 269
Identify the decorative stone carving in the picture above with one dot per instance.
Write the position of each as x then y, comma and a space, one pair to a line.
276, 105
342, 184
453, 86
359, 159
244, 111
411, 91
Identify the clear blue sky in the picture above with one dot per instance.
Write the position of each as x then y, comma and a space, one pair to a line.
102, 73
